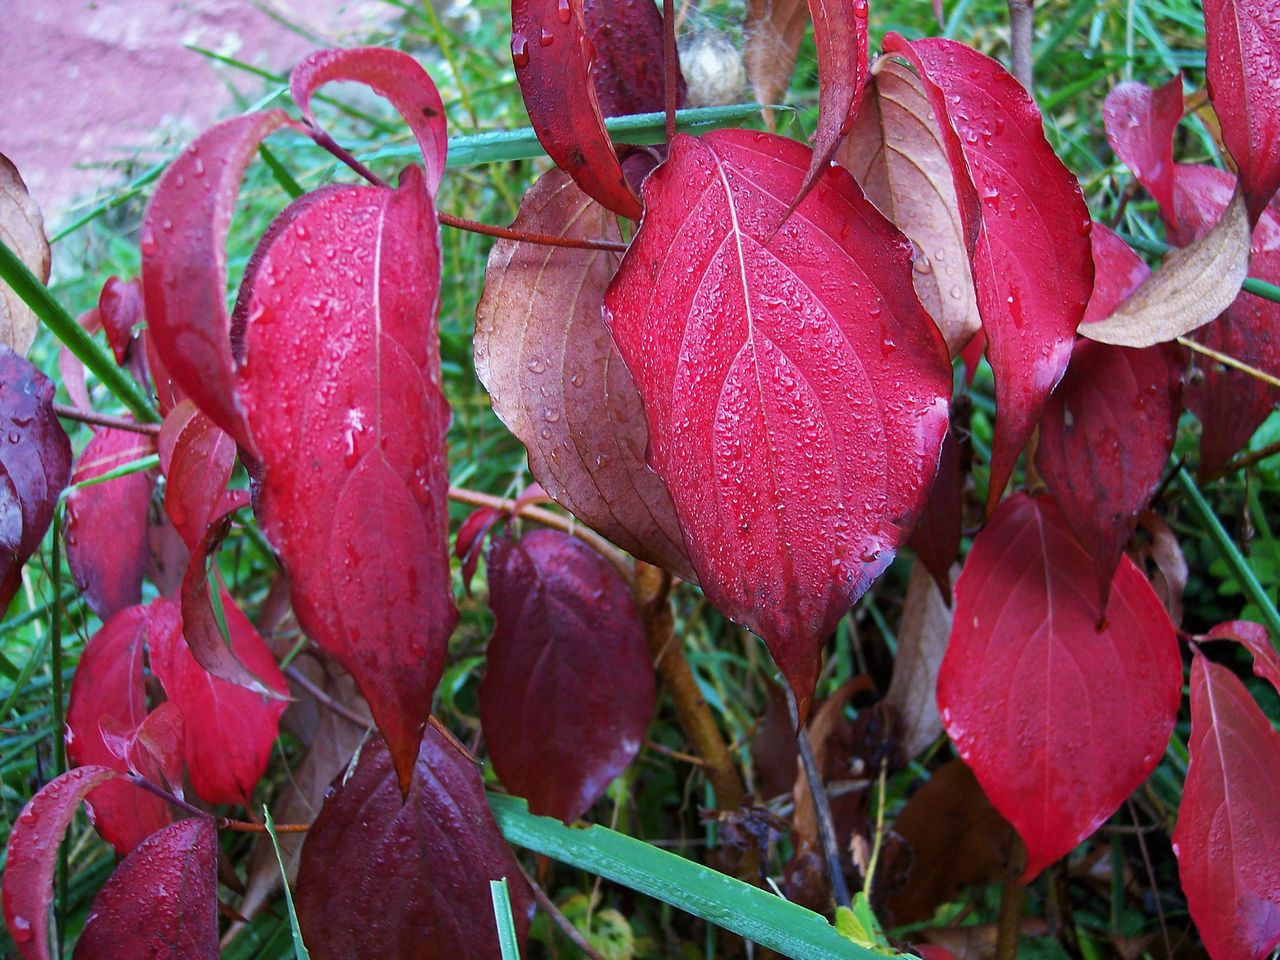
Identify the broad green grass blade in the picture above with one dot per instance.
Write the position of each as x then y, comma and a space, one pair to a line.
507, 938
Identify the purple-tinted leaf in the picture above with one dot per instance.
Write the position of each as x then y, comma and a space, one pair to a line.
120, 309
629, 70
564, 618
1139, 122
382, 875
936, 539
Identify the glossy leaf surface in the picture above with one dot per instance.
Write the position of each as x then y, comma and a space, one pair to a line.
161, 902
106, 525
1227, 840
1253, 636
382, 877
392, 74
35, 466
229, 731
344, 399
1060, 720
184, 264
564, 619
897, 155
32, 853
1139, 123
553, 56
197, 458
108, 690
22, 231
629, 72
1027, 229
1242, 47
796, 394
120, 309
556, 380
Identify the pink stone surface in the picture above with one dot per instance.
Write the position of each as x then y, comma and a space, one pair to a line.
88, 85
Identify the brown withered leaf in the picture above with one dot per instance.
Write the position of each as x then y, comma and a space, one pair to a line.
22, 230
832, 737
977, 942
774, 30
955, 838
922, 640
1161, 557
557, 382
895, 152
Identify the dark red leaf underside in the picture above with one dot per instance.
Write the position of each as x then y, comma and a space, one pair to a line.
1254, 637
796, 394
556, 379
1242, 47
382, 877
1060, 720
553, 56
564, 618
35, 466
108, 691
936, 539
391, 74
1140, 122
1227, 839
161, 902
228, 731
629, 71
120, 309
107, 522
32, 853
197, 458
1107, 431
342, 388
184, 265
1027, 227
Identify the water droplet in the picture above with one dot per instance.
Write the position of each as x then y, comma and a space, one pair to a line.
546, 38
20, 927
922, 265
563, 11
519, 51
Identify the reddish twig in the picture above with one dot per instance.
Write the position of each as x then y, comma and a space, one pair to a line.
671, 65
546, 240
222, 823
105, 420
342, 710
547, 906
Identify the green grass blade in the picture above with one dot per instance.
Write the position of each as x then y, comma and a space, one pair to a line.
767, 919
140, 465
300, 951
36, 295
507, 938
283, 176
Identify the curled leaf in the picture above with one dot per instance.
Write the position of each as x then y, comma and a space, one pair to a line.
22, 231
1139, 124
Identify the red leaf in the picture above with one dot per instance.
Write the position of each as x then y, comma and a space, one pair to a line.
342, 388
161, 902
108, 689
184, 265
936, 539
107, 546
32, 853
469, 543
391, 74
1230, 405
556, 380
1140, 122
1227, 839
1242, 48
228, 730
35, 466
197, 458
360, 886
553, 59
1108, 429
1027, 227
630, 68
1253, 636
152, 750
120, 308
1060, 720
796, 394
563, 619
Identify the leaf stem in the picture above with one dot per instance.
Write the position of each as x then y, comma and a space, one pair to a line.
506, 233
821, 805
342, 710
547, 906
105, 420
1229, 361
671, 67
1244, 461
1021, 21
326, 142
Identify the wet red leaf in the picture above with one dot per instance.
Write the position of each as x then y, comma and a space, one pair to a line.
120, 309
936, 540
342, 388
106, 530
108, 690
392, 74
161, 902
361, 889
553, 58
1242, 48
152, 750
1227, 839
1139, 122
32, 853
629, 71
197, 458
468, 545
1253, 636
1027, 227
1107, 431
556, 379
228, 730
184, 265
564, 618
1059, 719
791, 493
35, 466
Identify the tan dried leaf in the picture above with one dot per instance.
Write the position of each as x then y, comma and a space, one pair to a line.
1195, 284
922, 640
774, 30
895, 152
22, 230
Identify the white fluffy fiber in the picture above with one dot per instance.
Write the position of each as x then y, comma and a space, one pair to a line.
712, 68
